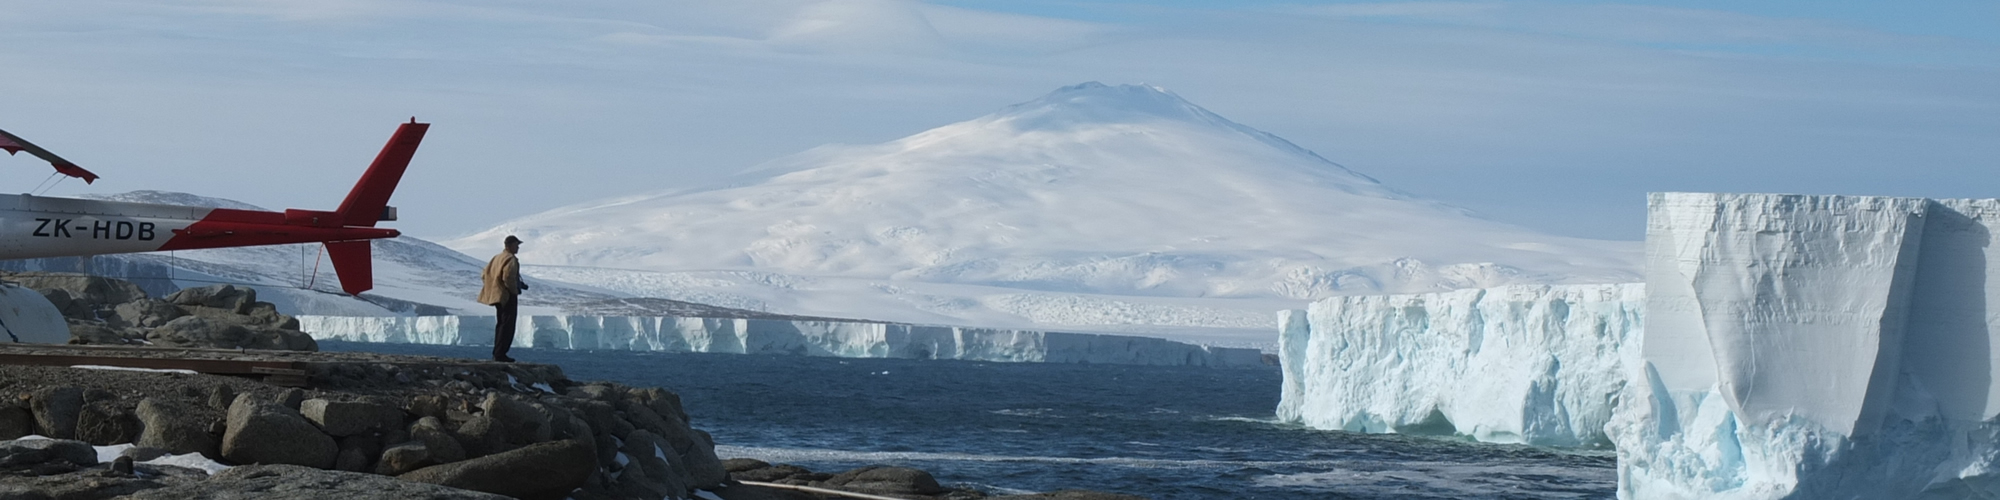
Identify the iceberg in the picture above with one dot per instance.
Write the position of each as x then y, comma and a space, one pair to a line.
1815, 347
794, 337
1535, 364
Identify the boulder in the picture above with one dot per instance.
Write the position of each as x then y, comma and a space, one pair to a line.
15, 422
265, 433
106, 423
704, 468
175, 428
89, 332
199, 332
540, 471
220, 396
288, 482
347, 418
404, 457
519, 421
357, 453
226, 297
82, 290
444, 448
886, 480
24, 453
56, 410
69, 308
145, 313
736, 465
480, 436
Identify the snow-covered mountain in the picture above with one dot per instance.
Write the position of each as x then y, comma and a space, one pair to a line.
1094, 207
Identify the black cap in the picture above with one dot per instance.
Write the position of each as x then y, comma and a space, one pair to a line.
511, 240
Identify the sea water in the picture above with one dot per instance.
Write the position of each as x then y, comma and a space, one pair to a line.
1167, 433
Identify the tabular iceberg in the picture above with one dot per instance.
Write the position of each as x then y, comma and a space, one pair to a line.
1537, 364
1815, 347
770, 336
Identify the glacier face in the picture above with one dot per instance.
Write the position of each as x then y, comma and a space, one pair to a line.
793, 337
1537, 364
1814, 347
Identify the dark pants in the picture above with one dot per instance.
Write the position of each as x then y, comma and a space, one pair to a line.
503, 330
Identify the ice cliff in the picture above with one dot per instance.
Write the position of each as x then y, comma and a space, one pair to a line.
1815, 347
1795, 347
767, 336
1538, 364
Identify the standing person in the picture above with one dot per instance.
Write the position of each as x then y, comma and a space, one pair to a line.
502, 290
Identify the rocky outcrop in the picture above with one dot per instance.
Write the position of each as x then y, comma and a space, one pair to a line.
548, 470
107, 311
261, 432
291, 482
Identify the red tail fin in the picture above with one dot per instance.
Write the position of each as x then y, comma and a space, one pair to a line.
365, 204
352, 262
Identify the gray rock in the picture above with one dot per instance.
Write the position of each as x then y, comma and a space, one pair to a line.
106, 423
404, 457
70, 308
220, 396
480, 436
704, 468
735, 465
347, 418
444, 448
175, 428
56, 410
227, 297
84, 290
657, 475
885, 480
143, 453
15, 422
19, 453
199, 332
292, 398
519, 421
357, 453
87, 332
539, 471
265, 433
286, 482
145, 313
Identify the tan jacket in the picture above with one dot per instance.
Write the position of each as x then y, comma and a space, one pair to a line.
502, 279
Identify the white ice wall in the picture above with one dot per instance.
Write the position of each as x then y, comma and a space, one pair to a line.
1535, 364
1814, 347
759, 336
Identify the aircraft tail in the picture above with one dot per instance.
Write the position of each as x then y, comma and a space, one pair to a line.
353, 263
368, 203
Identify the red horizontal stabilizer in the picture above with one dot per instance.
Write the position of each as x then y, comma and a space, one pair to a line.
364, 205
352, 263
15, 144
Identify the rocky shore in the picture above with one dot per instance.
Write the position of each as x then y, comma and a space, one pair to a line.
363, 425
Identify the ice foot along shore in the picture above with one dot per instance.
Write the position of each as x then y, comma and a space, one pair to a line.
762, 336
1793, 347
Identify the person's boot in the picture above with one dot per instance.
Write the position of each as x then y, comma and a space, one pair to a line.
502, 358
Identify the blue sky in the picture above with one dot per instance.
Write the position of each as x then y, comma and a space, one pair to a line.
1557, 115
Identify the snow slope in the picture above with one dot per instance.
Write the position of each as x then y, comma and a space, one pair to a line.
1120, 195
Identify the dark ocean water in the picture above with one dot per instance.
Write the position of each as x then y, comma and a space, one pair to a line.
1160, 432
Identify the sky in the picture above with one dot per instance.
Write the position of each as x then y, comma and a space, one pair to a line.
1556, 115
